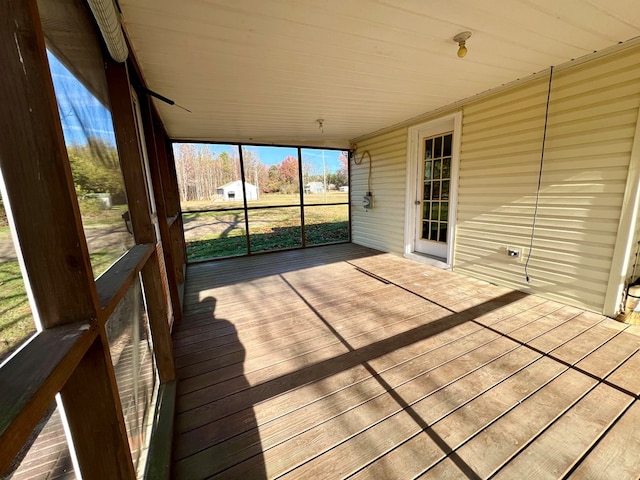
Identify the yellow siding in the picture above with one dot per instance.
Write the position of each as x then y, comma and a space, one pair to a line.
592, 118
383, 226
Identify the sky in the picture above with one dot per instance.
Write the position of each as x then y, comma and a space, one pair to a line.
274, 155
81, 112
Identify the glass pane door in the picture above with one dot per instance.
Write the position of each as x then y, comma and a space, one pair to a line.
436, 184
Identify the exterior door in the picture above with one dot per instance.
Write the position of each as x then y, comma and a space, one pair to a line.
434, 189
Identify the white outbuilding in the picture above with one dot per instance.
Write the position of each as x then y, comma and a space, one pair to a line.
314, 187
233, 191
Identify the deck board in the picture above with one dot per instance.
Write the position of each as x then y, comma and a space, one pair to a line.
613, 457
610, 355
627, 375
582, 345
393, 373
499, 442
340, 361
473, 417
430, 410
577, 430
445, 470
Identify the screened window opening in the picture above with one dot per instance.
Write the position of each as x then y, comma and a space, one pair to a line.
238, 200
91, 145
326, 196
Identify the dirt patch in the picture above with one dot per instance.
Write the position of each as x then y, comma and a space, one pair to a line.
198, 228
100, 238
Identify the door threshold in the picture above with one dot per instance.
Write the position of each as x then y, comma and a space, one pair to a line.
432, 260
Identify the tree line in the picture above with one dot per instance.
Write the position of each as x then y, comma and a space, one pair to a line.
200, 172
95, 168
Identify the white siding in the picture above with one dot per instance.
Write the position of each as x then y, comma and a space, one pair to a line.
592, 117
382, 227
633, 269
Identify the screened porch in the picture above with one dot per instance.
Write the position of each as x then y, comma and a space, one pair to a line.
344, 362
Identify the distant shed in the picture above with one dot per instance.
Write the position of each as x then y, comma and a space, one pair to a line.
314, 187
233, 191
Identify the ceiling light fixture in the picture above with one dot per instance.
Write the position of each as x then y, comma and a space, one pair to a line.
461, 39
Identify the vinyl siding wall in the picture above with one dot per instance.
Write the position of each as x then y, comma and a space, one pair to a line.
592, 119
382, 227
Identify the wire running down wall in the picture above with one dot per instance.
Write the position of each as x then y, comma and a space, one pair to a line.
593, 114
592, 118
382, 227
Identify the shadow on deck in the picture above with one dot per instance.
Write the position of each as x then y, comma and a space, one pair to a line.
341, 361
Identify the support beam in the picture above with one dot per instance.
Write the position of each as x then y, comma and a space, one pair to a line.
91, 396
178, 248
173, 207
157, 312
157, 160
129, 151
173, 193
37, 176
622, 253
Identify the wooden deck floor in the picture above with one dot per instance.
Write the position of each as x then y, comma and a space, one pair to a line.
340, 362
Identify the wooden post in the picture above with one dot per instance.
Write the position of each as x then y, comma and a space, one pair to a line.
155, 150
97, 441
176, 232
174, 197
129, 151
173, 194
46, 216
178, 248
37, 175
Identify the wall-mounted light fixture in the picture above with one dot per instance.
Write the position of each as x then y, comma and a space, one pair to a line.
320, 123
461, 39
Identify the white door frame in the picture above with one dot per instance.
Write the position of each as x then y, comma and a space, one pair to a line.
415, 133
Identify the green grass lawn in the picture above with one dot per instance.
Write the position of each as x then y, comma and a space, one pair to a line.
16, 319
222, 234
5, 234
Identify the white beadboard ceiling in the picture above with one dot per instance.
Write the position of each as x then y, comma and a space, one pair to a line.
263, 71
